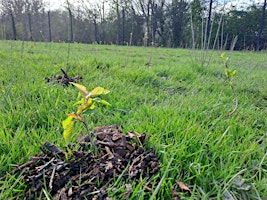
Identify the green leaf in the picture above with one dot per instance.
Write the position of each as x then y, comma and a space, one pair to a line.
101, 101
233, 73
230, 73
105, 103
67, 126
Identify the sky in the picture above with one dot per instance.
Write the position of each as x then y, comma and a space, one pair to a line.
55, 4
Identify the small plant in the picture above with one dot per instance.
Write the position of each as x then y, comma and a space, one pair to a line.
230, 75
88, 102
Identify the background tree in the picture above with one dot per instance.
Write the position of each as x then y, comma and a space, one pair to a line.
161, 31
196, 22
261, 26
179, 19
245, 25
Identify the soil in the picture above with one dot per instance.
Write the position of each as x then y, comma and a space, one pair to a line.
84, 174
63, 79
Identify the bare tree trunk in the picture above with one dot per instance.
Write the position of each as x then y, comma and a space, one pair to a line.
222, 34
95, 28
147, 23
209, 19
71, 27
192, 29
154, 13
13, 26
161, 23
30, 26
70, 18
103, 11
49, 26
3, 26
118, 23
261, 26
123, 25
132, 27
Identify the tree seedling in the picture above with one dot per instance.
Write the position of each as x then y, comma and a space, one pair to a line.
88, 102
230, 75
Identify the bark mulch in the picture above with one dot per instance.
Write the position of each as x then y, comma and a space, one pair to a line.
63, 79
88, 175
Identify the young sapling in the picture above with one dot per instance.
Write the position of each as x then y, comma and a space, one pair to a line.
230, 75
88, 102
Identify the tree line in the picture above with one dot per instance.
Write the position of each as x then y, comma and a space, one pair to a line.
166, 23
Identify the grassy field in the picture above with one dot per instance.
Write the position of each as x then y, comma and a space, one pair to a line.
183, 107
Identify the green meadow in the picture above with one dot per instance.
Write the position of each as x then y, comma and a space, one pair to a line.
182, 106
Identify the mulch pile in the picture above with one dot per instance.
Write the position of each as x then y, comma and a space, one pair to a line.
63, 79
87, 176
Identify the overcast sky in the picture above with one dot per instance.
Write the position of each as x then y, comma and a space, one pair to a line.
55, 4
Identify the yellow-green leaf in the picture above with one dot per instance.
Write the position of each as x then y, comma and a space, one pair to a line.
84, 107
99, 91
67, 126
81, 88
105, 103
79, 102
67, 121
222, 56
233, 73
92, 106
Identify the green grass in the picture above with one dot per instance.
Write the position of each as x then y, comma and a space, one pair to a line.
182, 106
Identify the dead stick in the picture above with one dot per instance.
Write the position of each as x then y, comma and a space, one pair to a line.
52, 177
40, 168
65, 74
24, 165
109, 152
